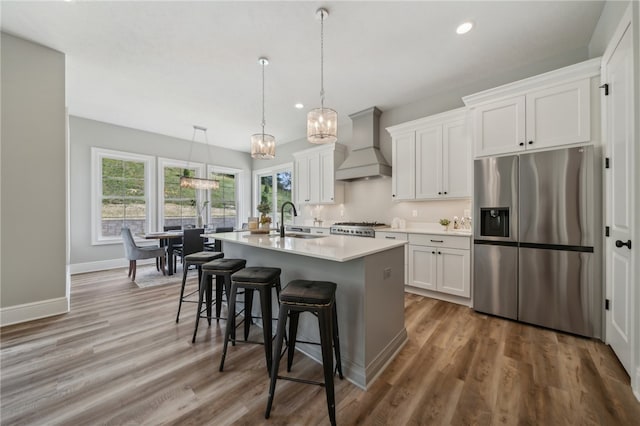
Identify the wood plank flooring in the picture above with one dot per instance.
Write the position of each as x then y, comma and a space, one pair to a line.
120, 358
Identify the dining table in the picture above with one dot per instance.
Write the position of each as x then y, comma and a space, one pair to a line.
166, 238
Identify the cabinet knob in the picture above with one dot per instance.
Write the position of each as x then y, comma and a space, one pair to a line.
521, 144
393, 195
439, 252
331, 198
445, 192
439, 193
530, 142
433, 252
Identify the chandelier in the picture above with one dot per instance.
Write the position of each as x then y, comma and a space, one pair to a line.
188, 181
263, 146
322, 123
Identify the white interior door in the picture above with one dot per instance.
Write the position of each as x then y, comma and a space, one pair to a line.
619, 122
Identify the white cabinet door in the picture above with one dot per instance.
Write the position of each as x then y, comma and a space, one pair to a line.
500, 127
314, 179
559, 115
403, 166
428, 160
327, 177
422, 267
302, 180
453, 271
456, 159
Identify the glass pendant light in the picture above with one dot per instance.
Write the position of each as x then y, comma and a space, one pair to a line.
263, 146
322, 123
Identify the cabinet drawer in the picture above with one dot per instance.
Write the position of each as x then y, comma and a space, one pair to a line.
463, 243
400, 236
321, 231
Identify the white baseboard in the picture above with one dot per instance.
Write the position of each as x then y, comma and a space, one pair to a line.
103, 265
437, 295
34, 310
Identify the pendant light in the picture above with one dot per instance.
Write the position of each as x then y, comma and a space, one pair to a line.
263, 146
322, 123
188, 181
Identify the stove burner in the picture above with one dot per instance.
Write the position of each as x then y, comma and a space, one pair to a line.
356, 229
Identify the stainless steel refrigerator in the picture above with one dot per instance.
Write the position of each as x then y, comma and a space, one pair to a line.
534, 239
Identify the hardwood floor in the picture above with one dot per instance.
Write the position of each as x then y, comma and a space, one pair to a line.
120, 358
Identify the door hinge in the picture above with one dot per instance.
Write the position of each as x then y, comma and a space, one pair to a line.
606, 89
607, 163
606, 231
606, 304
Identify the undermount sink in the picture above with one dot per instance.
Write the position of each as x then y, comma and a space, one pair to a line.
305, 236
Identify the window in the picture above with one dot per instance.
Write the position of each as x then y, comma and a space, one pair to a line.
121, 194
180, 206
223, 202
273, 186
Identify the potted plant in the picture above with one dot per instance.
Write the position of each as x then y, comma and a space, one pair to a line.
445, 223
264, 208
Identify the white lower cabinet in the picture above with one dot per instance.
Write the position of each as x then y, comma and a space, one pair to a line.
440, 264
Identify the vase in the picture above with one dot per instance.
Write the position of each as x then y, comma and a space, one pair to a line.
199, 221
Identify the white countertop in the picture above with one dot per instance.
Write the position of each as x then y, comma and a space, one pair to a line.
429, 230
337, 248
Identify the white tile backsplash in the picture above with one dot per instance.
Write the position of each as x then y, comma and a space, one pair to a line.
370, 200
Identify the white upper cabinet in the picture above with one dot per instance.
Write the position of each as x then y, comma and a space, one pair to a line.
540, 112
314, 175
403, 167
431, 158
499, 127
559, 115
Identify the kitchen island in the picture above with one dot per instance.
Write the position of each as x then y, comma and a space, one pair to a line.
370, 294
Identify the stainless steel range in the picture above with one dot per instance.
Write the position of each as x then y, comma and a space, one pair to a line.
356, 229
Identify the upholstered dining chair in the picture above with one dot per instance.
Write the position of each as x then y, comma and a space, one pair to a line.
134, 253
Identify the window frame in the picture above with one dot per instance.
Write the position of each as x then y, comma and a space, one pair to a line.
97, 154
239, 174
273, 171
171, 162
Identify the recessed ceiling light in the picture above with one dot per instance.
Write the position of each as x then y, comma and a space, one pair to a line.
465, 27
299, 105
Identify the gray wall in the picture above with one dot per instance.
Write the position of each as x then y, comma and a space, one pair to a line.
85, 133
33, 164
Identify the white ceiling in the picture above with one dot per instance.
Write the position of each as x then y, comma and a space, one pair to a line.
164, 66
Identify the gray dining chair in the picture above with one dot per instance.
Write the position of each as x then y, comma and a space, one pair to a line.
134, 253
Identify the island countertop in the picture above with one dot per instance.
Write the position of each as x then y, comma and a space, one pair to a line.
337, 248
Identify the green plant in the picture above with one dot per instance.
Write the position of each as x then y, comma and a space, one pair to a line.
445, 222
264, 208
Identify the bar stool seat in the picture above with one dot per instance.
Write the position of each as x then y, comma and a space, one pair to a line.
196, 259
317, 297
222, 268
262, 279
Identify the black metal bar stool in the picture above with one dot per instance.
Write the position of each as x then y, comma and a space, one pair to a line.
262, 279
319, 298
222, 269
195, 259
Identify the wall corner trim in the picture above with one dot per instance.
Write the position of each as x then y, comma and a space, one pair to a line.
34, 310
